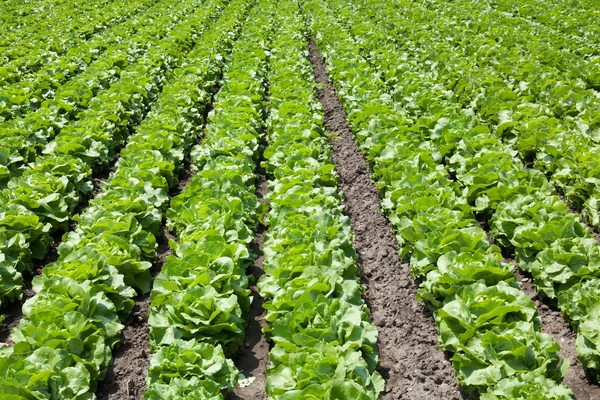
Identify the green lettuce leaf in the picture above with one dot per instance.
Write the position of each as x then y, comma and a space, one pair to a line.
528, 386
188, 359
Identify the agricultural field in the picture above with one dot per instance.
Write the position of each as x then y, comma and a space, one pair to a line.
299, 199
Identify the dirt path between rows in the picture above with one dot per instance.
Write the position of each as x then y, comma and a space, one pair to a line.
253, 358
411, 361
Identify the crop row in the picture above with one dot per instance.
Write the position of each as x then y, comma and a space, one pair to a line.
45, 196
64, 342
324, 344
484, 319
562, 90
200, 300
43, 42
17, 14
26, 138
26, 95
523, 210
521, 98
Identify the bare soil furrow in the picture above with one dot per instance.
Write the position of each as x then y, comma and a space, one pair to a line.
410, 359
253, 359
13, 313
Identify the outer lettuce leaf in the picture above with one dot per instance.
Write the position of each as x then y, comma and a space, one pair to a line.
564, 263
198, 312
44, 374
529, 386
22, 236
75, 318
424, 224
455, 271
287, 295
531, 223
437, 242
188, 359
505, 351
11, 283
324, 362
143, 205
477, 308
591, 210
89, 266
201, 269
111, 223
329, 390
331, 320
184, 389
588, 341
112, 250
65, 294
576, 302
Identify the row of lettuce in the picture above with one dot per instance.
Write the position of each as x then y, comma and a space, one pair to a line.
484, 319
200, 300
547, 114
564, 146
30, 46
521, 205
20, 13
27, 137
23, 92
324, 344
41, 201
63, 344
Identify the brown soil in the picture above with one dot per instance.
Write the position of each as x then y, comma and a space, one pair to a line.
185, 176
553, 324
253, 359
411, 361
125, 378
13, 314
